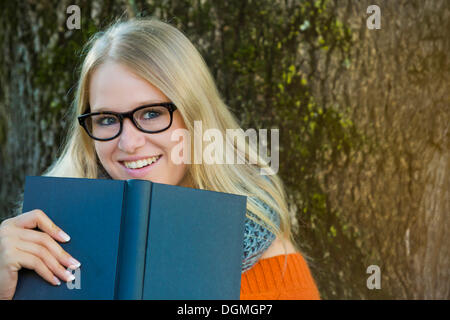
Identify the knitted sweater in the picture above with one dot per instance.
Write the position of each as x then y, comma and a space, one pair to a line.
267, 281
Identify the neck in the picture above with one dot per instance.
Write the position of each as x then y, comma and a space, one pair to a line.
187, 181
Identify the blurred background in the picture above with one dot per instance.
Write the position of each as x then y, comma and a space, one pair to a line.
363, 116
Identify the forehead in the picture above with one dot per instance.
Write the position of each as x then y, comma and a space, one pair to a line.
115, 87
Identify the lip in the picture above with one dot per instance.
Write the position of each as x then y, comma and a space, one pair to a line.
142, 172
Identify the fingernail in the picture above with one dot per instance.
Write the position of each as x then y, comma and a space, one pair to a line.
64, 235
74, 264
56, 281
70, 276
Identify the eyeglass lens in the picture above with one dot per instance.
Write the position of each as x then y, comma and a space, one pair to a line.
105, 126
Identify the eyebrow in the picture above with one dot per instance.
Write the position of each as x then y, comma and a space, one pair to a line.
143, 103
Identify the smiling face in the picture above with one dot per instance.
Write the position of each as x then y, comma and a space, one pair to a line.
113, 87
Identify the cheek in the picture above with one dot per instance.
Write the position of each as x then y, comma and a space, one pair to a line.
175, 170
170, 148
104, 151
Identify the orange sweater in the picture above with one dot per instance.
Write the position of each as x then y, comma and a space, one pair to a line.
266, 281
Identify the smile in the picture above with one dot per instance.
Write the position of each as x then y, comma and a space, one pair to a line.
141, 163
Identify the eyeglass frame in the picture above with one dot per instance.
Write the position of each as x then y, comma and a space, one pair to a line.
171, 107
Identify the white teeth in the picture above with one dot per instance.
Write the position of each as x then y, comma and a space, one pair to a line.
140, 163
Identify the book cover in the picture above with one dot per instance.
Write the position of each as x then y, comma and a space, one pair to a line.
140, 240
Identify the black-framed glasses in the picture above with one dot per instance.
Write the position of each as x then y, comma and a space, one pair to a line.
108, 125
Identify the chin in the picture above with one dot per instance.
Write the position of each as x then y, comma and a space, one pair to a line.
163, 180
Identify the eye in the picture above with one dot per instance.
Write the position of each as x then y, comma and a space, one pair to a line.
106, 121
150, 115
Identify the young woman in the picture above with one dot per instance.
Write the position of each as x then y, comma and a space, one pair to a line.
141, 82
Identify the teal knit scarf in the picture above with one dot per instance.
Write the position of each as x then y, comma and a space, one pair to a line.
257, 238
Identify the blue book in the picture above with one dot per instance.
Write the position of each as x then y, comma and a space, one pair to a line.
140, 240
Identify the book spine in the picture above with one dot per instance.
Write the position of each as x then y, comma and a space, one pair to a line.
133, 240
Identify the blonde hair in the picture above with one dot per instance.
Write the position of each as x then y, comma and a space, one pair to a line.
162, 55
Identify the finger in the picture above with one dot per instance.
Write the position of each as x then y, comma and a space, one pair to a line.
37, 218
44, 255
48, 242
32, 262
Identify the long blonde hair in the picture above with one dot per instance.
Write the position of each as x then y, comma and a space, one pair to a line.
162, 55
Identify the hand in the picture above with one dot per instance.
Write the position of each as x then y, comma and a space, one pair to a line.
22, 247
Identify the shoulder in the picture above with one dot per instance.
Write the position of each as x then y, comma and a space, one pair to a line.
279, 276
278, 247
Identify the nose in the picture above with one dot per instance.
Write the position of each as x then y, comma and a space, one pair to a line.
131, 138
